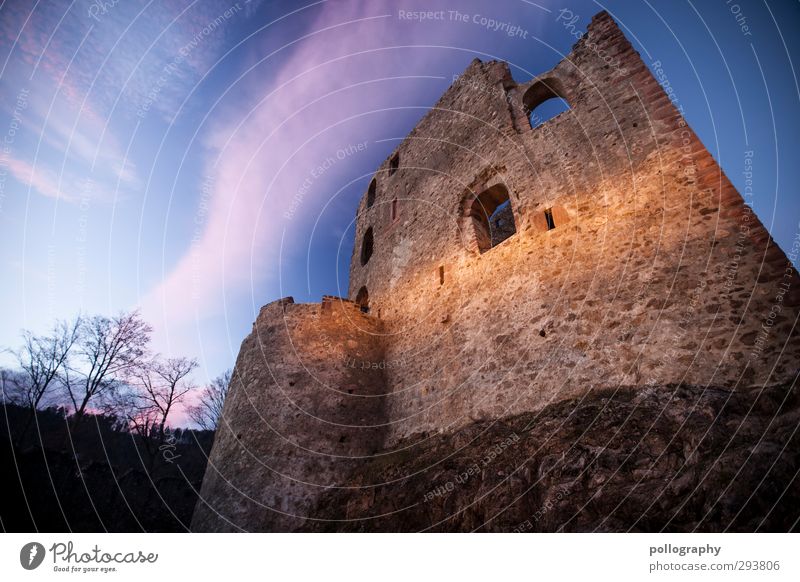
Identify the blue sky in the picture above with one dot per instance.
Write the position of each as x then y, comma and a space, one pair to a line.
200, 159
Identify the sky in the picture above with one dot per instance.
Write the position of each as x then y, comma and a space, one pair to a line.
197, 160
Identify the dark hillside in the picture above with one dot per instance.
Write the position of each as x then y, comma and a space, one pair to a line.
98, 477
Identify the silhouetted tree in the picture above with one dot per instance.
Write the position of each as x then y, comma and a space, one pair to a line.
208, 410
41, 359
107, 350
161, 384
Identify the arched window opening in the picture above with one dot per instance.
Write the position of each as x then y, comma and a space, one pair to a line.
362, 299
544, 100
492, 217
373, 187
394, 163
366, 246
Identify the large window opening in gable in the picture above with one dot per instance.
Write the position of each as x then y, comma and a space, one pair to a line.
492, 217
373, 187
544, 100
366, 246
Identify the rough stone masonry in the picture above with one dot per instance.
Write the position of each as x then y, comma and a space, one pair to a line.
590, 289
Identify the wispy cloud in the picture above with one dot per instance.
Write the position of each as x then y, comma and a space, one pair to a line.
317, 101
89, 74
41, 179
104, 91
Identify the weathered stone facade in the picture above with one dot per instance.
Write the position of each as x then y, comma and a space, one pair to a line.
624, 259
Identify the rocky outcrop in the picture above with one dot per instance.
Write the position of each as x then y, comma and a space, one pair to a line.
671, 458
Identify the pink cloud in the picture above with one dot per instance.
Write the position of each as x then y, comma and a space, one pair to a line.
42, 180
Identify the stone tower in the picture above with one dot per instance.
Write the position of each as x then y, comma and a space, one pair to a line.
503, 266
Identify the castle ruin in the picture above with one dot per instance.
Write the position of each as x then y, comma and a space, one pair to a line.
505, 266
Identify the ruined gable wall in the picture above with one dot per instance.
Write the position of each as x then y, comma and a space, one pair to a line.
633, 287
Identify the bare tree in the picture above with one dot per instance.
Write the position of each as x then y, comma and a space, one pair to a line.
139, 416
41, 359
108, 349
208, 410
153, 389
162, 384
128, 403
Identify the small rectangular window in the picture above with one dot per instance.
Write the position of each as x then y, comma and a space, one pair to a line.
441, 275
548, 216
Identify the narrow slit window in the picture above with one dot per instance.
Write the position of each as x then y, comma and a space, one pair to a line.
394, 209
362, 300
366, 246
441, 275
548, 217
373, 187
